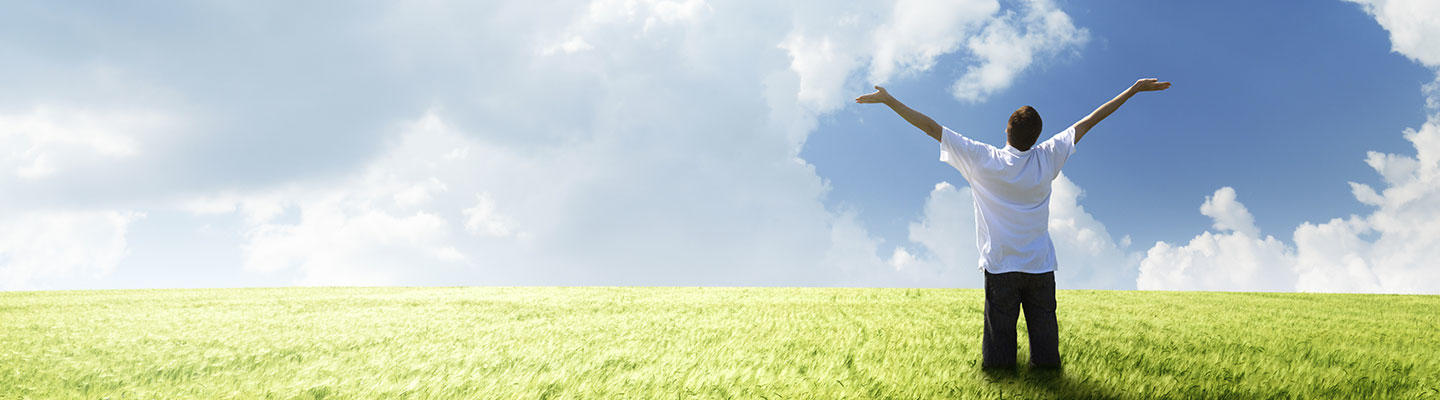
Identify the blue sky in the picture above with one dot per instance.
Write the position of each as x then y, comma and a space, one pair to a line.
706, 143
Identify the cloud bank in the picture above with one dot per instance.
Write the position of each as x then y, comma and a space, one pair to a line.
575, 142
583, 142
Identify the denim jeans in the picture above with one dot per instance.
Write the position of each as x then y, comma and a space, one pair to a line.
1004, 295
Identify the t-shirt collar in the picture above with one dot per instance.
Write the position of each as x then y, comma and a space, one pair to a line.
1014, 150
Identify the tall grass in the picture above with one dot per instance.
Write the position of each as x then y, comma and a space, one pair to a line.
752, 343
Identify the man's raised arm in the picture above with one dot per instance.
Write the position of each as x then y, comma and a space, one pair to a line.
1143, 85
913, 117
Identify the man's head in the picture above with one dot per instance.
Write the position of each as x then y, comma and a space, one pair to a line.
1024, 128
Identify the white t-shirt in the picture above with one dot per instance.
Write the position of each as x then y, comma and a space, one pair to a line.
1012, 198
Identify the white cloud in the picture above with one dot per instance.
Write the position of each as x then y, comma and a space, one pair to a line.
386, 224
1389, 250
1228, 213
1008, 45
853, 255
901, 259
419, 193
48, 139
1211, 261
1089, 257
573, 45
341, 243
482, 218
650, 12
823, 65
920, 31
670, 12
945, 234
1394, 247
1238, 260
831, 42
1332, 257
1414, 27
46, 249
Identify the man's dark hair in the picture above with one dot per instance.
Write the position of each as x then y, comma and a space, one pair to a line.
1024, 128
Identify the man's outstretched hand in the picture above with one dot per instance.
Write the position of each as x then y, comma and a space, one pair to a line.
882, 96
1144, 85
913, 117
1148, 85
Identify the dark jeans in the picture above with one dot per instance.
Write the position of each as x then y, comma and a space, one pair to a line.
1004, 294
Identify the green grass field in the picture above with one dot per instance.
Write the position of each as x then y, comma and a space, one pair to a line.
665, 343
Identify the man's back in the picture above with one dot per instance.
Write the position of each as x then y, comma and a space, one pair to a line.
1012, 198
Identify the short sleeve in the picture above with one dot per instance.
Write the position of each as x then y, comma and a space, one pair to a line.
1059, 148
959, 151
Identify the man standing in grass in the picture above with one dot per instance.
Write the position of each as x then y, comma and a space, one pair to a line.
1011, 186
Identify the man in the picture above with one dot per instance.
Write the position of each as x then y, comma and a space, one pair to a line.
1012, 218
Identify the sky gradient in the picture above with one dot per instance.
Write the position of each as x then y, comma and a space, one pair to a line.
707, 143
